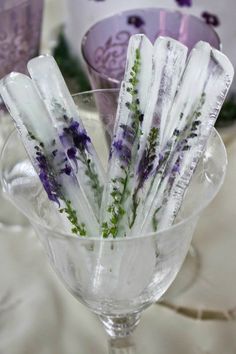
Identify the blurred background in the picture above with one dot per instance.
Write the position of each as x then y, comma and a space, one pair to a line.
89, 40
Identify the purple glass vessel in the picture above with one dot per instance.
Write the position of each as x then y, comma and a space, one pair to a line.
20, 28
104, 46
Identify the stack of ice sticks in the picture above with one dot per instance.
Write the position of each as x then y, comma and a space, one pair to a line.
167, 107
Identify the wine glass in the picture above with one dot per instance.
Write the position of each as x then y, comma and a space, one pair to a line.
115, 278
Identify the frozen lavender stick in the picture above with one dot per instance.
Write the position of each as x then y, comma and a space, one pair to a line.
176, 123
78, 147
127, 131
169, 59
46, 152
199, 113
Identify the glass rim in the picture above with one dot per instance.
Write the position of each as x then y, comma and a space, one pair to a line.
121, 13
60, 234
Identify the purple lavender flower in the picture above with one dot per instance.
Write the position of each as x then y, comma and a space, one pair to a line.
123, 151
144, 170
81, 140
136, 21
176, 167
67, 170
184, 2
73, 136
46, 177
146, 163
49, 187
118, 145
128, 133
211, 19
71, 153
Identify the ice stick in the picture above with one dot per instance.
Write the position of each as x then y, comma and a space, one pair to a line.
169, 59
78, 147
176, 122
127, 131
46, 152
199, 113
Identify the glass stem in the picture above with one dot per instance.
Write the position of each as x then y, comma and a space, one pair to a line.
119, 329
124, 345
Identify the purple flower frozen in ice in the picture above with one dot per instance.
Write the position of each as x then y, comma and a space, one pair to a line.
176, 167
144, 169
136, 21
81, 140
184, 2
118, 145
149, 155
73, 136
67, 170
122, 150
80, 137
49, 186
46, 177
71, 153
211, 19
128, 133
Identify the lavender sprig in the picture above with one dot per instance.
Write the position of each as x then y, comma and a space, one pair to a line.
47, 153
168, 65
144, 170
125, 149
77, 144
170, 163
72, 217
64, 114
50, 181
208, 96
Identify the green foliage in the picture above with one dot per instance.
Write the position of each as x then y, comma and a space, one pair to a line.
72, 217
93, 177
120, 190
228, 113
70, 66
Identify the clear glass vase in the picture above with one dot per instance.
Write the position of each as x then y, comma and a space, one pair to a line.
115, 278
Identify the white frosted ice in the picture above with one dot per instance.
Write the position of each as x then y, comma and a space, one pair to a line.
208, 83
53, 90
140, 51
169, 59
32, 120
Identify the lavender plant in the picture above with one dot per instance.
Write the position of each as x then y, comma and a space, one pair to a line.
47, 154
78, 147
121, 147
52, 165
128, 130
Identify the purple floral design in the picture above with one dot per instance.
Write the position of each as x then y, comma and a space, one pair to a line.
50, 166
211, 19
46, 174
184, 3
146, 163
135, 21
123, 151
73, 134
75, 140
47, 178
